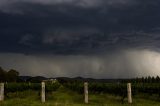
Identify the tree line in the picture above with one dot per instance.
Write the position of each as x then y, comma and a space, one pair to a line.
13, 76
148, 79
8, 76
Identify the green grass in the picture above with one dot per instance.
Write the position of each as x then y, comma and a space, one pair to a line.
65, 97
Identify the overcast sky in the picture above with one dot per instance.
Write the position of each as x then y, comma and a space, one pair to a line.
88, 38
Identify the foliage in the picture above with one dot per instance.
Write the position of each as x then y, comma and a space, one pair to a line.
117, 89
16, 87
66, 97
10, 76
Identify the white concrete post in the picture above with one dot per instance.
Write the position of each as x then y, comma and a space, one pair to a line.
43, 92
129, 91
86, 92
1, 91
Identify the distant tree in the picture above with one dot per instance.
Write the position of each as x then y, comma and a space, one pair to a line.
2, 75
149, 79
157, 79
143, 80
137, 80
153, 80
12, 75
146, 80
36, 79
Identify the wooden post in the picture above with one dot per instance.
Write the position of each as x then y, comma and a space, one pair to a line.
86, 92
129, 93
1, 91
43, 92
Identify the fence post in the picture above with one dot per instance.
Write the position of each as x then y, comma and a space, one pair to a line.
129, 91
86, 92
43, 92
1, 91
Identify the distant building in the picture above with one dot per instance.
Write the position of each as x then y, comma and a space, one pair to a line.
51, 80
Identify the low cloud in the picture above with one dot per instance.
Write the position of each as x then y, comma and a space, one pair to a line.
124, 64
69, 35
26, 40
19, 6
72, 2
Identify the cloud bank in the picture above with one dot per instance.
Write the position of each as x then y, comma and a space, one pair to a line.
21, 6
80, 37
124, 64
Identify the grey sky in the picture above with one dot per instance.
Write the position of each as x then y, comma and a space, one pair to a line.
89, 38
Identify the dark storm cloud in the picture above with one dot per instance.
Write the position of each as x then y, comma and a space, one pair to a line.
77, 26
94, 35
38, 18
7, 4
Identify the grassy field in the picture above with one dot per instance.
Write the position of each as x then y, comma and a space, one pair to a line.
65, 97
